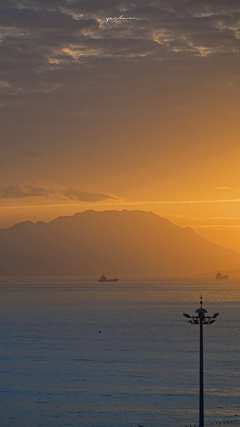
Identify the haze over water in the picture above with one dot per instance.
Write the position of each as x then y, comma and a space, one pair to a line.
142, 368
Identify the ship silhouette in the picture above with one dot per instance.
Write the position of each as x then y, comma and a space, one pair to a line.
219, 276
104, 279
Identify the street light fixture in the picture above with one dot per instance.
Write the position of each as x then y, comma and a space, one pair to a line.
201, 319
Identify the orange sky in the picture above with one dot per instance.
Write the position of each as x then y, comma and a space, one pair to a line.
122, 115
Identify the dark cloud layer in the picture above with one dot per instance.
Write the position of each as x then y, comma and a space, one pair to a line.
23, 191
37, 20
42, 41
17, 192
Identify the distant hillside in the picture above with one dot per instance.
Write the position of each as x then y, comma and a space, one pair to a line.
125, 243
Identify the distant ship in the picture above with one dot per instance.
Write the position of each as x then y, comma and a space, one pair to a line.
219, 276
104, 279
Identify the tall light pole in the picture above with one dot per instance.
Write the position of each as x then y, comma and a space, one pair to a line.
201, 319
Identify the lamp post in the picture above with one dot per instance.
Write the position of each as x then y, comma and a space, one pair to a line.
201, 319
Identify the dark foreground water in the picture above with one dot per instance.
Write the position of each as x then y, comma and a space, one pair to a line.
57, 370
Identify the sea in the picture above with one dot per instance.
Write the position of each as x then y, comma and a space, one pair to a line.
76, 352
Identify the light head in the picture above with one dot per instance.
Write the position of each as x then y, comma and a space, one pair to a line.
186, 315
201, 316
201, 311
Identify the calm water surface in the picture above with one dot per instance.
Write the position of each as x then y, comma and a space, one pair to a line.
57, 370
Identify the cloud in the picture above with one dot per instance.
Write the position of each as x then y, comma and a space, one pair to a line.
60, 58
223, 188
17, 192
84, 196
46, 40
37, 19
225, 217
65, 194
183, 216
185, 202
226, 188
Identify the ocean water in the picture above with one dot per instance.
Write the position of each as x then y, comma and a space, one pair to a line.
80, 353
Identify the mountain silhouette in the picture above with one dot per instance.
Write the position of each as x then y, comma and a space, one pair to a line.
126, 243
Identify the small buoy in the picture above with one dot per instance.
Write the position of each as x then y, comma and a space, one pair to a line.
99, 332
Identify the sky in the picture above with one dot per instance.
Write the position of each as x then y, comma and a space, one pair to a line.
139, 113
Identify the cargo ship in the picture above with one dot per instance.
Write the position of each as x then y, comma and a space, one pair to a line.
104, 279
219, 276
